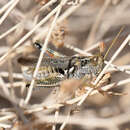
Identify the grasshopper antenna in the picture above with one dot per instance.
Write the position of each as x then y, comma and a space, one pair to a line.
113, 42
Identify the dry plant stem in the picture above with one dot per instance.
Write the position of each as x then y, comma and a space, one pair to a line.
9, 31
56, 117
95, 45
115, 19
103, 71
14, 102
77, 50
47, 5
6, 118
15, 2
10, 77
21, 85
4, 88
16, 84
69, 11
4, 1
107, 87
38, 109
5, 56
42, 53
11, 80
85, 96
92, 47
97, 23
65, 122
18, 15
16, 109
15, 75
127, 72
113, 58
6, 111
3, 49
41, 108
54, 106
89, 121
5, 126
125, 68
119, 68
6, 6
72, 101
36, 19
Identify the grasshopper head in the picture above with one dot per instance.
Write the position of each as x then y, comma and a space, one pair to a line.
86, 66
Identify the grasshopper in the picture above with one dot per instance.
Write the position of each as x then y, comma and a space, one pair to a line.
56, 67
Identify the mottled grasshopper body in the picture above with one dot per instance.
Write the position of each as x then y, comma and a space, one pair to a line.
55, 69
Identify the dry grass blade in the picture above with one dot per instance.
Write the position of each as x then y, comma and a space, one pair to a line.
88, 122
9, 31
47, 5
5, 56
113, 58
3, 86
43, 51
5, 7
65, 122
15, 2
91, 36
6, 126
106, 89
56, 117
103, 71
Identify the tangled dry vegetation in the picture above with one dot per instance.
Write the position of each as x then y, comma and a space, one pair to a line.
69, 27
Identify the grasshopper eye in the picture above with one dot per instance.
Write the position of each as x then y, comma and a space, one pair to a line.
85, 61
